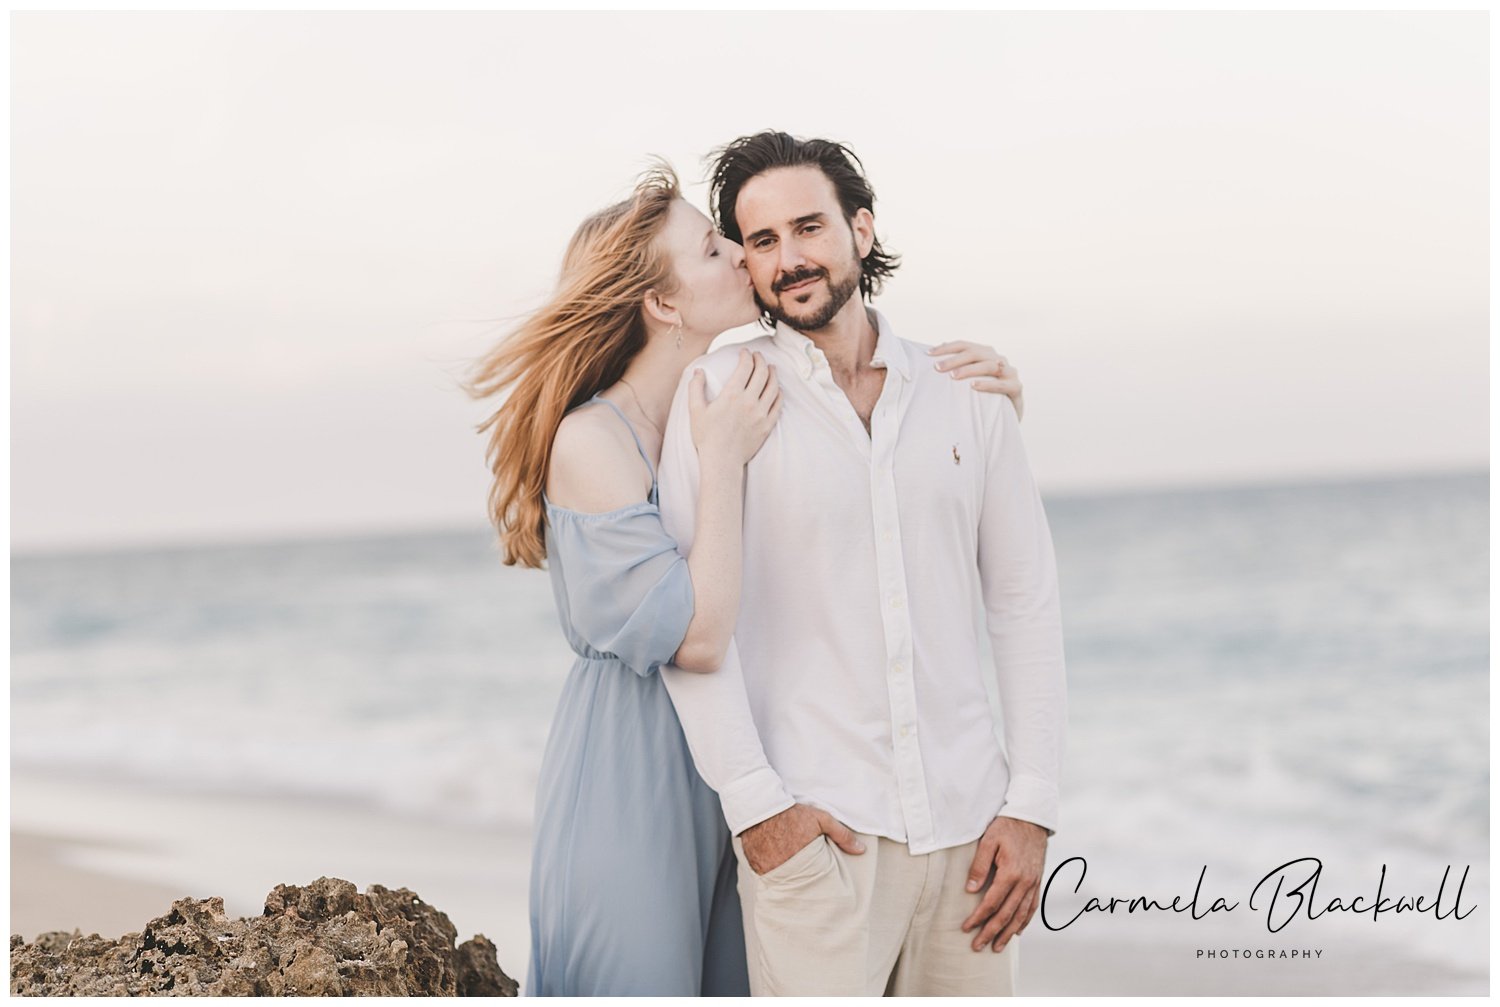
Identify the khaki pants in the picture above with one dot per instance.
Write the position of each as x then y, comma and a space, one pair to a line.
882, 922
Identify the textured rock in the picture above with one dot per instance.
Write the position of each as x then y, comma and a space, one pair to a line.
322, 940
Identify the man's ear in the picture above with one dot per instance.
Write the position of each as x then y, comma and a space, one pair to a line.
863, 226
659, 309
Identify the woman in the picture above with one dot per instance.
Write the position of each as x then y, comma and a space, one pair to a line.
633, 876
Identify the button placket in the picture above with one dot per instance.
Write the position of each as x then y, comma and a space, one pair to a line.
900, 687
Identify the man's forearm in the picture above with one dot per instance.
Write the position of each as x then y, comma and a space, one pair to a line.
1029, 670
726, 747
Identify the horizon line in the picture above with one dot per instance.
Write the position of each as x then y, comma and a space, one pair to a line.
253, 539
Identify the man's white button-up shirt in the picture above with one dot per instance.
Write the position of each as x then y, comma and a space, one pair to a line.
854, 681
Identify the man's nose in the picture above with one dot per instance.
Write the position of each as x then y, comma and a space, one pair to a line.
791, 256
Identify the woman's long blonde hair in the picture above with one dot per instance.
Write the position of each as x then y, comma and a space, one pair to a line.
576, 345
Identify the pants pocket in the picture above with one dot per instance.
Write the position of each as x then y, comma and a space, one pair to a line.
811, 937
809, 862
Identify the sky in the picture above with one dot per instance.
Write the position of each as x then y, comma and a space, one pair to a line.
253, 254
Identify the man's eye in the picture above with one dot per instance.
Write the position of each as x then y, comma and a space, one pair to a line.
810, 228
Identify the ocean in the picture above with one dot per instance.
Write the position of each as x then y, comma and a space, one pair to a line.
1255, 674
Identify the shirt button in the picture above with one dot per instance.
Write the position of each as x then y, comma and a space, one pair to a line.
886, 537
895, 601
905, 731
898, 667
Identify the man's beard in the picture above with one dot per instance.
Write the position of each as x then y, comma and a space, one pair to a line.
838, 295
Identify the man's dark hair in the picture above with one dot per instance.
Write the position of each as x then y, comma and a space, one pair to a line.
738, 162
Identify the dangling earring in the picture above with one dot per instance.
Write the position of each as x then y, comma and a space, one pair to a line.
677, 328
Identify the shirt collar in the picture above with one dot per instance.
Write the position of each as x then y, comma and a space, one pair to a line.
890, 352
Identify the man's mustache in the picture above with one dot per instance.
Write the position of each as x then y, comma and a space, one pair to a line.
805, 273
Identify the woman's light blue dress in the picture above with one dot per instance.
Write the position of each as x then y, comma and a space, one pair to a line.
632, 872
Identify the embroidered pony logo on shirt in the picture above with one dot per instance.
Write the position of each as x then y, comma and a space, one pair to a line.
956, 460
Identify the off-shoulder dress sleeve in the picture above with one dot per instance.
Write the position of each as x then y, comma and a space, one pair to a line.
625, 587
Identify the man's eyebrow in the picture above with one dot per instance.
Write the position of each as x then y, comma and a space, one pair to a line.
806, 218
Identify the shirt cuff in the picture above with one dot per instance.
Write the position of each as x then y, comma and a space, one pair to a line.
753, 798
1031, 800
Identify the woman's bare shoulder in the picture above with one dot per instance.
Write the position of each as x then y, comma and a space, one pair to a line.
595, 466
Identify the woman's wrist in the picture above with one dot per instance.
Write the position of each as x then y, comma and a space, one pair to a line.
721, 468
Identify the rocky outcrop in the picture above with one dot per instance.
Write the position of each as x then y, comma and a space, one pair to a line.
322, 940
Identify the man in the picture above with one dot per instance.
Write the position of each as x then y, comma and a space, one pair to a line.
887, 843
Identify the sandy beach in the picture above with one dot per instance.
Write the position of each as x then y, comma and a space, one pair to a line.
48, 892
107, 859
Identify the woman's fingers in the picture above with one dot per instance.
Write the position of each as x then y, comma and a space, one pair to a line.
773, 401
768, 405
1005, 386
697, 393
749, 374
981, 369
955, 358
766, 422
743, 368
959, 353
772, 385
759, 376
